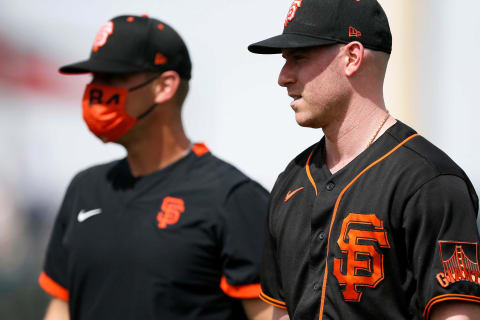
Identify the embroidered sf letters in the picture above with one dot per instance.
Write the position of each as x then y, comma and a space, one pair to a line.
292, 11
171, 210
363, 264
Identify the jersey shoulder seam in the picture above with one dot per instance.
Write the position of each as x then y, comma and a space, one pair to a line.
411, 194
428, 162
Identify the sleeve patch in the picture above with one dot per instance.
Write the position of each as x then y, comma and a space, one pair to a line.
460, 262
53, 288
248, 291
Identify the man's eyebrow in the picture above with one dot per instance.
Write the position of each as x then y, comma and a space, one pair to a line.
287, 52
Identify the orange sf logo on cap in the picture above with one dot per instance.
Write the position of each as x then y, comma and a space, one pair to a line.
101, 38
292, 11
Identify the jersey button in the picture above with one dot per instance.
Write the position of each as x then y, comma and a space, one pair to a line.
316, 286
321, 235
330, 186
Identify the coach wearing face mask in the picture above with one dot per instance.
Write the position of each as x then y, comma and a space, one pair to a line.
170, 231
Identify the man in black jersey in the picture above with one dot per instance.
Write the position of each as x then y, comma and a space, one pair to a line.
169, 232
373, 221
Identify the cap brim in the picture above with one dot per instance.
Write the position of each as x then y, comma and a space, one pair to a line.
98, 66
288, 41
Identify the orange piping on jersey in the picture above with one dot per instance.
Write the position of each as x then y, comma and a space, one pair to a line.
446, 297
307, 168
248, 291
200, 149
273, 302
337, 203
52, 288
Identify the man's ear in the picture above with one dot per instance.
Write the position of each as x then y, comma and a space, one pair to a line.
165, 87
354, 53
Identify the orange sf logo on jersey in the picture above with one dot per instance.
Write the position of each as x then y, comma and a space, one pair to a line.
101, 38
292, 11
171, 210
364, 264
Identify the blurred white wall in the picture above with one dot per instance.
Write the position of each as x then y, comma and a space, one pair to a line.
448, 103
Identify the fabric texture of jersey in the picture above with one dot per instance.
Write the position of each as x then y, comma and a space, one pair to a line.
181, 243
387, 237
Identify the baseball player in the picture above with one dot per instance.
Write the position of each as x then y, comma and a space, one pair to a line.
373, 221
170, 231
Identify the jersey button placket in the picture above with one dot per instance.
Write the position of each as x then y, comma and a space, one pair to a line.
330, 186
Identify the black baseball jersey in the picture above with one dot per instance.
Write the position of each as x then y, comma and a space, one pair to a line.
387, 237
182, 243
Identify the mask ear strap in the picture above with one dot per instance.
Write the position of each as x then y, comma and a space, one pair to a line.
150, 109
143, 84
146, 113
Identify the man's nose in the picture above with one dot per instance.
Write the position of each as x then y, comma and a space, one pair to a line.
287, 75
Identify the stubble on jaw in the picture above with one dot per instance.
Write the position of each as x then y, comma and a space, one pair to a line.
329, 108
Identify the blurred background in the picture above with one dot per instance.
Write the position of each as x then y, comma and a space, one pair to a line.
234, 105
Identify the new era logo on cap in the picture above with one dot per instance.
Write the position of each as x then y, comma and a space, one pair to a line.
160, 58
352, 32
312, 23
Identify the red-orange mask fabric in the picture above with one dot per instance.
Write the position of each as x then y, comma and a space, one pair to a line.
104, 111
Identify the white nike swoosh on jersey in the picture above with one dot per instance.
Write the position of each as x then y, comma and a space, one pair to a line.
84, 215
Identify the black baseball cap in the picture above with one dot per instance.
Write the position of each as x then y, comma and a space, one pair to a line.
312, 23
135, 44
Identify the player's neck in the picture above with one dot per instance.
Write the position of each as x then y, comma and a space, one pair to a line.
157, 148
346, 139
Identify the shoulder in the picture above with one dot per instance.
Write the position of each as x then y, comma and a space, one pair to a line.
415, 150
96, 173
226, 187
295, 166
421, 152
301, 159
210, 171
418, 162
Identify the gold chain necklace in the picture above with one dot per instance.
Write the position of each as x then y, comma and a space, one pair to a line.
379, 128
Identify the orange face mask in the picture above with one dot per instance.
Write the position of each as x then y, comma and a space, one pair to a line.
104, 111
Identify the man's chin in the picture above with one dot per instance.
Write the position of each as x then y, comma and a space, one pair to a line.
306, 122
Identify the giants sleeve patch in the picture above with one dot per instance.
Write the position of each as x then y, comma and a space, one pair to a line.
460, 262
